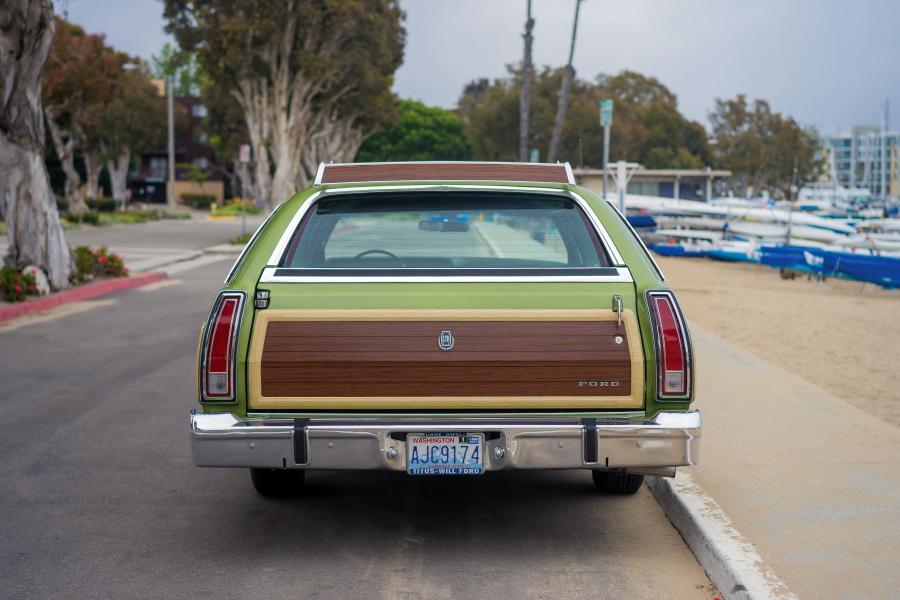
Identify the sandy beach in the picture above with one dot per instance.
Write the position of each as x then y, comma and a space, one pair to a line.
843, 336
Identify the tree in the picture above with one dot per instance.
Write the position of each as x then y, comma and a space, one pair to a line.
130, 122
761, 147
80, 77
182, 67
421, 133
527, 75
35, 235
312, 78
562, 103
649, 129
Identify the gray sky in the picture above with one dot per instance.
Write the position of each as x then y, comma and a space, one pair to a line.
829, 63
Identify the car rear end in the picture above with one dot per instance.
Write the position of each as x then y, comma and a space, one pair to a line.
464, 319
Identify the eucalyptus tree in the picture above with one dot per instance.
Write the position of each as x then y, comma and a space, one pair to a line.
562, 105
311, 77
34, 231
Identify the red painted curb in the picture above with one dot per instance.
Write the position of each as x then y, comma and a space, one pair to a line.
82, 292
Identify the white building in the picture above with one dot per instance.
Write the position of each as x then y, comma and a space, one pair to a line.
856, 159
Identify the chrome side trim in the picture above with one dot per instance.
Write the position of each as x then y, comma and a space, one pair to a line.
634, 233
671, 439
283, 242
569, 173
623, 276
285, 239
247, 246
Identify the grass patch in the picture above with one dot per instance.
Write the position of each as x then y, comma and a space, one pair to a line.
242, 239
234, 210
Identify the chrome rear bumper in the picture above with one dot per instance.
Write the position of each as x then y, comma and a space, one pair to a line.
670, 439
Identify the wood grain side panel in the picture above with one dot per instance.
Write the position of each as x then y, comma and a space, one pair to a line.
280, 376
444, 172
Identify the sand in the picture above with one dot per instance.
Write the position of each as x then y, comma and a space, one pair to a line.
842, 336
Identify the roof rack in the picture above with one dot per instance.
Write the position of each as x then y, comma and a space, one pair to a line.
444, 171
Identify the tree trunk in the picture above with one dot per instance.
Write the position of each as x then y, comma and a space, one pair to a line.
93, 165
525, 97
64, 143
118, 175
562, 105
35, 235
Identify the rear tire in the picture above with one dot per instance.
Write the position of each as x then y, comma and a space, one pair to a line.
275, 483
617, 482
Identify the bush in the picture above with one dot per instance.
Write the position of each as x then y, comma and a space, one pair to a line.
16, 286
176, 216
234, 210
62, 205
201, 201
89, 217
242, 239
106, 205
91, 263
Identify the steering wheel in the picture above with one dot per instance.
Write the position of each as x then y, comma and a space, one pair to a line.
379, 251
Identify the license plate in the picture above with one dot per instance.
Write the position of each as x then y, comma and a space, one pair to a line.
449, 453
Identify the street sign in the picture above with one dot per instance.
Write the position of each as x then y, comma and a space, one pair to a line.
244, 153
606, 113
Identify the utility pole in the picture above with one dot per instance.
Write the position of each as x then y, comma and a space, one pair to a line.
562, 105
884, 133
170, 108
606, 115
525, 92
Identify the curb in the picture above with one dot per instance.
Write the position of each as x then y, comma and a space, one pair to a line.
730, 561
82, 292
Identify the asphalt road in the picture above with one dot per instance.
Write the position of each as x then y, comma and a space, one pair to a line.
99, 498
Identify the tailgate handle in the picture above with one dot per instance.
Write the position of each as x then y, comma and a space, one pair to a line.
617, 306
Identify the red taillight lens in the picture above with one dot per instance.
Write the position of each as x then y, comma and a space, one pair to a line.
219, 349
673, 352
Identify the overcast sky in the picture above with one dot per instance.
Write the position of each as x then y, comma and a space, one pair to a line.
829, 63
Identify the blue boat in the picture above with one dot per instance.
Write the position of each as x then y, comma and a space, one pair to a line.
677, 249
880, 270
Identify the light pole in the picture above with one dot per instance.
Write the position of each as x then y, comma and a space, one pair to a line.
170, 109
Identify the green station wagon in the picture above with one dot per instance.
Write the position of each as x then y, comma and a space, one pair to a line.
445, 319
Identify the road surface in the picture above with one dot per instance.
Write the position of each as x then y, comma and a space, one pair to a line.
100, 499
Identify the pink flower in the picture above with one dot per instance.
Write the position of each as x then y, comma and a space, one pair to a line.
101, 259
18, 289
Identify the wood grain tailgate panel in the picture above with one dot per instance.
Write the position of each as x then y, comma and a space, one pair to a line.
444, 172
402, 358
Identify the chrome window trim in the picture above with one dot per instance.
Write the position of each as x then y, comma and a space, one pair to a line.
319, 173
284, 241
623, 276
247, 246
235, 331
689, 352
634, 233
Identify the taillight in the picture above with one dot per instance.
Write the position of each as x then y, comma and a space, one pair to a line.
219, 344
673, 347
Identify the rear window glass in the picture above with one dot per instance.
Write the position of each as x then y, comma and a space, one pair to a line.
445, 231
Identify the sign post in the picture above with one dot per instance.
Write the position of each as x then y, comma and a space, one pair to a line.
244, 158
606, 115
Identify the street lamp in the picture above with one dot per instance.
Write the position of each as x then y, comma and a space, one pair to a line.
170, 109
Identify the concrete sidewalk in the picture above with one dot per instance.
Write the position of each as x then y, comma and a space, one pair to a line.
811, 481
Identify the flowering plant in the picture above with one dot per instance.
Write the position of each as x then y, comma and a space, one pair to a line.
91, 263
16, 286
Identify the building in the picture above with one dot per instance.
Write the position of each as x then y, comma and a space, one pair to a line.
855, 160
147, 179
683, 184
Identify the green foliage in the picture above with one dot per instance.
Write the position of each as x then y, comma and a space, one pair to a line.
87, 218
16, 286
189, 77
201, 201
107, 205
234, 210
648, 128
91, 263
421, 133
761, 147
241, 239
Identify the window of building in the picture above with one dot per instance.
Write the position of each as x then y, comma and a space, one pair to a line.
199, 111
201, 163
158, 167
